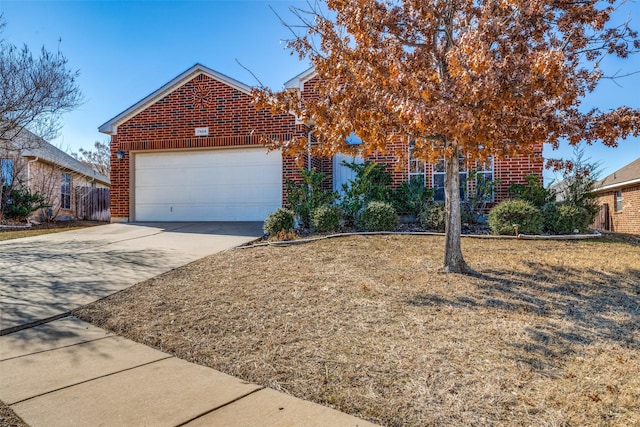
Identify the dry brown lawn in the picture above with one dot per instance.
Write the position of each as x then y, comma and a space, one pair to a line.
547, 334
46, 228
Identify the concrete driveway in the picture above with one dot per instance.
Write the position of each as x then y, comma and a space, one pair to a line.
47, 276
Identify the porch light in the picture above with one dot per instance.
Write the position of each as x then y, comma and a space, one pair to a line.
120, 154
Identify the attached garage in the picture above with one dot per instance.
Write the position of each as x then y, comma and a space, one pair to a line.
236, 184
193, 151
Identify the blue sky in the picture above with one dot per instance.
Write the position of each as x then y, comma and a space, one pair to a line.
125, 50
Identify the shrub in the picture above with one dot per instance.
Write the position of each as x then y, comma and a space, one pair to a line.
371, 183
564, 218
533, 191
326, 218
578, 190
306, 195
281, 219
434, 217
411, 197
474, 209
22, 202
506, 214
378, 216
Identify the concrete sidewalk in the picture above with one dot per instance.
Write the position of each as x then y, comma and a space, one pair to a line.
66, 372
70, 373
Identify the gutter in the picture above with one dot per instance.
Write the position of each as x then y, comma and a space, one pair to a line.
617, 185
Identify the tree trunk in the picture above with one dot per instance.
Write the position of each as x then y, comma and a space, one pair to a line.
453, 259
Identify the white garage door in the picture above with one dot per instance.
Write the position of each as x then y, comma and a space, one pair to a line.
213, 185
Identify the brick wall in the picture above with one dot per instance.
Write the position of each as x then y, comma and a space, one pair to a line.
506, 171
626, 220
170, 123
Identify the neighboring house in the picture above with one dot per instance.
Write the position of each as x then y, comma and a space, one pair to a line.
31, 162
191, 151
619, 198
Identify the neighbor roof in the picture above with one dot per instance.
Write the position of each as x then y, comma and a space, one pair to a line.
111, 126
628, 175
36, 147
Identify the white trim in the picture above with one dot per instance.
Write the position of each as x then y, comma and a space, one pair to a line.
298, 81
111, 126
618, 185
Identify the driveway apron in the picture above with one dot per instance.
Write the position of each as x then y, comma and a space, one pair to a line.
47, 276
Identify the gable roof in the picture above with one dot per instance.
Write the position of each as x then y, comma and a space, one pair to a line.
111, 126
298, 81
627, 175
36, 147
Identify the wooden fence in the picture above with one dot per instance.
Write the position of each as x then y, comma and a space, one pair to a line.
93, 203
602, 219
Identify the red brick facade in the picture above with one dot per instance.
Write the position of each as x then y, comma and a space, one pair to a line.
506, 171
168, 118
169, 124
626, 219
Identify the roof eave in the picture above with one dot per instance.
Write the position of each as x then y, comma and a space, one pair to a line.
618, 185
298, 81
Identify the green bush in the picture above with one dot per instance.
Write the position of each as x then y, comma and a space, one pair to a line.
410, 198
506, 214
306, 195
533, 191
326, 218
564, 218
371, 183
378, 216
434, 217
281, 219
22, 202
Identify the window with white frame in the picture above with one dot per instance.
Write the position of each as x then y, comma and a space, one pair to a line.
65, 191
439, 173
417, 169
618, 205
485, 174
6, 172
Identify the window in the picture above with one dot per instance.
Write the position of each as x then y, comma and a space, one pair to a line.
484, 174
618, 206
438, 180
6, 172
65, 191
417, 169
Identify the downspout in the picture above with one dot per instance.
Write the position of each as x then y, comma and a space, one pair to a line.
309, 150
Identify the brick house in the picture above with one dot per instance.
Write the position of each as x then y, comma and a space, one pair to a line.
619, 198
191, 151
28, 161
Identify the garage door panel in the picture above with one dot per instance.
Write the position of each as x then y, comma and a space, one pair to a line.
213, 185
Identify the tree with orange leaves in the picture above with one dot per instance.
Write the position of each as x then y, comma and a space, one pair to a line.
460, 78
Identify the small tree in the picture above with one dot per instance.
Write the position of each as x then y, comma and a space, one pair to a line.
99, 159
34, 92
581, 178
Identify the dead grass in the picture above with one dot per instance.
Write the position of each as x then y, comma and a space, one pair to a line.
548, 334
8, 418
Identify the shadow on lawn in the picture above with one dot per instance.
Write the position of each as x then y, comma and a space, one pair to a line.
574, 308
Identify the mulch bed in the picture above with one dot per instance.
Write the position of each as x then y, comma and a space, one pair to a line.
547, 334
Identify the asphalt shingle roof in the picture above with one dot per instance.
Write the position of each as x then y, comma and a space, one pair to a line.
627, 173
35, 146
